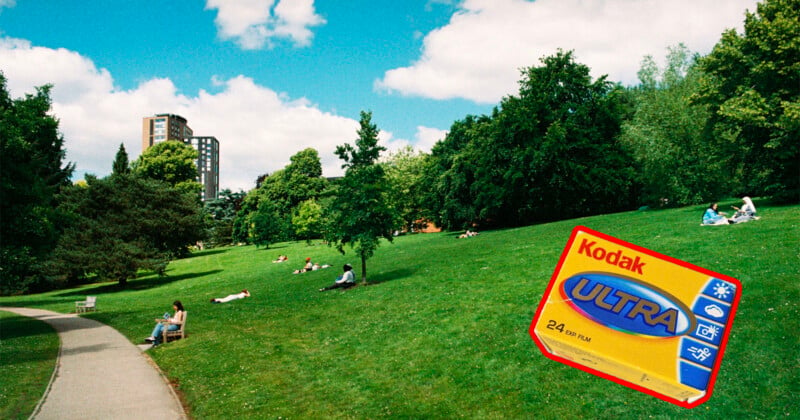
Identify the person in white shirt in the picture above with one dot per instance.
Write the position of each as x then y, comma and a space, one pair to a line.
229, 298
345, 281
746, 213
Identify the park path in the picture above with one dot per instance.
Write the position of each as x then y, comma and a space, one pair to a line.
101, 375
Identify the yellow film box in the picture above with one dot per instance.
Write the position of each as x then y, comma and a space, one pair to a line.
644, 320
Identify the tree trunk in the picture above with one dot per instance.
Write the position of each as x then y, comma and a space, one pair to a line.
363, 269
123, 282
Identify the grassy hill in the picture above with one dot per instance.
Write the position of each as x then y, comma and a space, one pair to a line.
442, 331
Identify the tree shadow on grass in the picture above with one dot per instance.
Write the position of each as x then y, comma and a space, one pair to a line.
272, 247
140, 284
393, 275
205, 253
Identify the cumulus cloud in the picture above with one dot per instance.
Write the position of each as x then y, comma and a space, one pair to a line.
258, 129
423, 140
479, 53
254, 24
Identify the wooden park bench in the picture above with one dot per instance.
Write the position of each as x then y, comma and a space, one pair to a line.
90, 304
177, 334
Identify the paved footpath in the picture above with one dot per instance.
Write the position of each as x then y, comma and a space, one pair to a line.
101, 375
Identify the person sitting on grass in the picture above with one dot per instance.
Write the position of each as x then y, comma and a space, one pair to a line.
308, 267
746, 213
345, 281
172, 323
229, 298
714, 217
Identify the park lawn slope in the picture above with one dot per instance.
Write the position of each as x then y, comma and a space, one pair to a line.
442, 331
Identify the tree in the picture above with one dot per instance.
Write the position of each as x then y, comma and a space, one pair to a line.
750, 86
558, 147
360, 213
266, 225
450, 174
549, 153
121, 224
173, 162
221, 213
404, 172
308, 220
31, 175
121, 166
666, 134
285, 189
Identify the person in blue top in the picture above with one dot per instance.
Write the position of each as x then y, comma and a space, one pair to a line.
345, 281
713, 217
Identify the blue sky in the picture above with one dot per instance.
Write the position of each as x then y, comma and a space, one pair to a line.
271, 77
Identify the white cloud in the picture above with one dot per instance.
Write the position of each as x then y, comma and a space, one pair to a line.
255, 23
258, 128
478, 54
426, 137
423, 140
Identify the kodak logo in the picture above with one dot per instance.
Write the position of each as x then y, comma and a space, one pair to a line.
616, 258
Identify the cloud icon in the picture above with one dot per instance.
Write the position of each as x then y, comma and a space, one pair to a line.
714, 311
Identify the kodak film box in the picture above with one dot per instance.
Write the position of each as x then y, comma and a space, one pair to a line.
636, 317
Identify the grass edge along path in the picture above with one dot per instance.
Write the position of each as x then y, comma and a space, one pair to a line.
28, 355
442, 331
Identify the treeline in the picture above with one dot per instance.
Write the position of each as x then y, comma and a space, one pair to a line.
695, 130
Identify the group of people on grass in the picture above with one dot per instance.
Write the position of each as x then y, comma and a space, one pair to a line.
310, 267
713, 216
175, 322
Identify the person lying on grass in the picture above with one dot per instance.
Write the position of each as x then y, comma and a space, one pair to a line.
308, 267
172, 323
345, 281
229, 298
281, 258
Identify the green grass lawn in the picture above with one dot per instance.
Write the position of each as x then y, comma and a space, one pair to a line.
443, 330
28, 350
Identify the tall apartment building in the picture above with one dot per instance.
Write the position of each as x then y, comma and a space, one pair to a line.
163, 127
207, 164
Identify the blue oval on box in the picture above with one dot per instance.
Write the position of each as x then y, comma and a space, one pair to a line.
627, 305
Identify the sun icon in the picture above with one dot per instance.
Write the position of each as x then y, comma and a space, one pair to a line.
721, 290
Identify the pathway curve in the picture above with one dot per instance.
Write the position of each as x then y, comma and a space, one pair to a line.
101, 375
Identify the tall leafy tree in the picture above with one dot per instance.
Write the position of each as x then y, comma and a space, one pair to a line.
675, 160
405, 170
308, 220
32, 172
751, 88
266, 225
549, 153
450, 174
558, 146
173, 162
285, 189
360, 213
